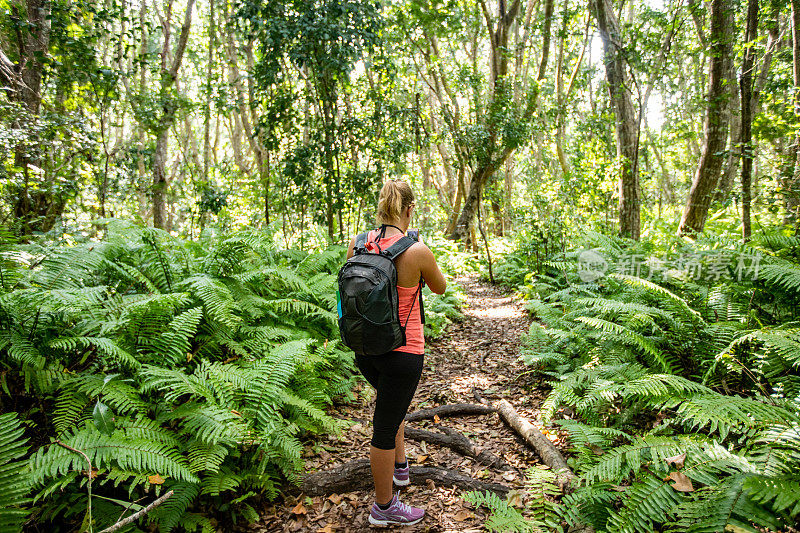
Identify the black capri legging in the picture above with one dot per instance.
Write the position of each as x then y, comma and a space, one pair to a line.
395, 376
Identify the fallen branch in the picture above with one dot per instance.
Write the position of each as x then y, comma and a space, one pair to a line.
138, 514
451, 409
458, 443
548, 453
356, 475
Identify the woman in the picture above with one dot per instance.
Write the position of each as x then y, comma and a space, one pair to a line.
395, 375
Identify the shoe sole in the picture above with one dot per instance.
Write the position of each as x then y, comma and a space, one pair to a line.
400, 483
384, 523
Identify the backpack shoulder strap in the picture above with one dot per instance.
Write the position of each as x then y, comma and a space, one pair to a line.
361, 241
402, 244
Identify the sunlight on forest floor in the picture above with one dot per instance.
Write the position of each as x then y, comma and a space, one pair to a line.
465, 384
500, 312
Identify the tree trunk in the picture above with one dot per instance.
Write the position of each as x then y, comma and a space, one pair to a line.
625, 118
791, 185
168, 76
746, 88
34, 205
733, 157
496, 156
212, 44
715, 128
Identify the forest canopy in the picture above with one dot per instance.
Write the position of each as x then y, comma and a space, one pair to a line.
620, 116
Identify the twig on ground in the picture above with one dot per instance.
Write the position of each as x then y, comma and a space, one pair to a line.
458, 443
451, 409
138, 514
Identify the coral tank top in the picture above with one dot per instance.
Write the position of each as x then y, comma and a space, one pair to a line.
407, 296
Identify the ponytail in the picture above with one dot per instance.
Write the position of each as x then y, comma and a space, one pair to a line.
395, 196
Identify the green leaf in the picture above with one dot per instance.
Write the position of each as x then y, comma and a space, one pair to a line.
103, 418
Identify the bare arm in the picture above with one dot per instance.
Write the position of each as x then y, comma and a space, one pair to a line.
430, 270
350, 248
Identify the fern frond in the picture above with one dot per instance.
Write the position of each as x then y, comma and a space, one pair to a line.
724, 413
783, 274
661, 293
622, 334
719, 506
108, 450
648, 501
170, 514
216, 297
15, 483
105, 346
503, 517
783, 494
210, 424
216, 483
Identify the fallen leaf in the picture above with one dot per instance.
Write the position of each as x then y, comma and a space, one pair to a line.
515, 499
421, 459
431, 485
463, 515
676, 460
597, 450
335, 499
681, 482
326, 529
300, 509
155, 479
436, 419
509, 476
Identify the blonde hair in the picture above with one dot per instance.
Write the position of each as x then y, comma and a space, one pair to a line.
396, 195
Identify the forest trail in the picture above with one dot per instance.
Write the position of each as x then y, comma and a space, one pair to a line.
479, 352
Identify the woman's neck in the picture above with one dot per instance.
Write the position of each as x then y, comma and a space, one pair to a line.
395, 227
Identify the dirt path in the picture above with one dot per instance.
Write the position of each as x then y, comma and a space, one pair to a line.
481, 351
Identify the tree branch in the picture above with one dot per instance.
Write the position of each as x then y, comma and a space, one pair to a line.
182, 40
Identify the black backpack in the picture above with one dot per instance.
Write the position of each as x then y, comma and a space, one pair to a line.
369, 318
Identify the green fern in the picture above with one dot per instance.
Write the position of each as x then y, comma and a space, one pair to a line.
15, 482
502, 517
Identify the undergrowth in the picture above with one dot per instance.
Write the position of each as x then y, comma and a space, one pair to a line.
196, 367
678, 391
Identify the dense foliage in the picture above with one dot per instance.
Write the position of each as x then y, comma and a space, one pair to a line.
245, 114
674, 374
173, 365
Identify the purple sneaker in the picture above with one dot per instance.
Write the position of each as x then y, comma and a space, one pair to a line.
400, 476
398, 513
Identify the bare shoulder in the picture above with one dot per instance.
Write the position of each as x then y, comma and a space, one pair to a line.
421, 252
